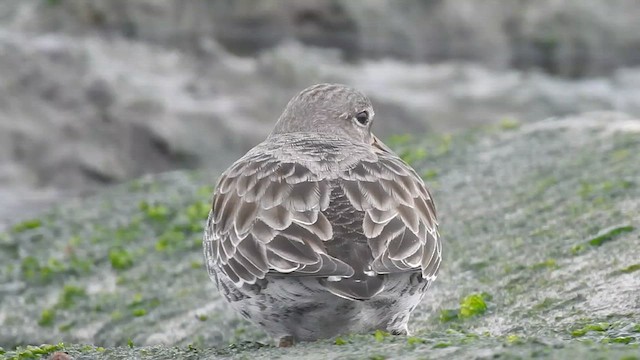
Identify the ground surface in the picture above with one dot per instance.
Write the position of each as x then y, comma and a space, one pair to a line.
541, 225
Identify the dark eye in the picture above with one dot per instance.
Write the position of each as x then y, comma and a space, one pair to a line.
362, 118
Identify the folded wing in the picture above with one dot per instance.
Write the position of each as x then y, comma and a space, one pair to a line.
400, 217
268, 217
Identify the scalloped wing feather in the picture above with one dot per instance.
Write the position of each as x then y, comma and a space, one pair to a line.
402, 230
268, 217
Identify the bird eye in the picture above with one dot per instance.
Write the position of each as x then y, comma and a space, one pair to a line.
362, 118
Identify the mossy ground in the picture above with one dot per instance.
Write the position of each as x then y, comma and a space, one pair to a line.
541, 230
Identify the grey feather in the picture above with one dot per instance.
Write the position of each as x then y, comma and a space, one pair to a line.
300, 173
280, 264
228, 211
355, 289
409, 217
304, 196
227, 249
256, 192
254, 253
275, 194
323, 214
288, 218
277, 218
322, 228
262, 232
308, 217
375, 195
397, 191
356, 197
371, 228
245, 216
381, 217
403, 245
293, 250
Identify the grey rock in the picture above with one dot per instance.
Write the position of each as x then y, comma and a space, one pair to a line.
569, 38
80, 112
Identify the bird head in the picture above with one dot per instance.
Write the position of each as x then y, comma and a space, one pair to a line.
333, 109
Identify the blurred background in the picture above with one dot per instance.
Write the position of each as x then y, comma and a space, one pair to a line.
94, 93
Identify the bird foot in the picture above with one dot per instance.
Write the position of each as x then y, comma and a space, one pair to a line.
402, 331
286, 341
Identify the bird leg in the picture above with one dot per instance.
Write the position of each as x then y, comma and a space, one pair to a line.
286, 341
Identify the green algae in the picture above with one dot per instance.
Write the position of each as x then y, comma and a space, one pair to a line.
120, 258
70, 294
604, 236
412, 156
380, 335
430, 174
413, 340
155, 212
470, 306
547, 264
47, 317
514, 339
32, 352
340, 341
31, 269
139, 312
629, 269
67, 299
591, 327
170, 240
619, 340
447, 315
473, 305
430, 147
609, 234
26, 225
509, 123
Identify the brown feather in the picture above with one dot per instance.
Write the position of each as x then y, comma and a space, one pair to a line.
371, 229
262, 232
300, 174
278, 218
280, 264
256, 192
375, 195
308, 217
254, 252
403, 245
352, 191
275, 194
245, 216
304, 196
292, 250
410, 217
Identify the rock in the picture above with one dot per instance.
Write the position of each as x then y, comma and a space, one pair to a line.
540, 223
568, 38
81, 112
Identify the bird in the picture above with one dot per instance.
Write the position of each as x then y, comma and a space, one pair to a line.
321, 229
